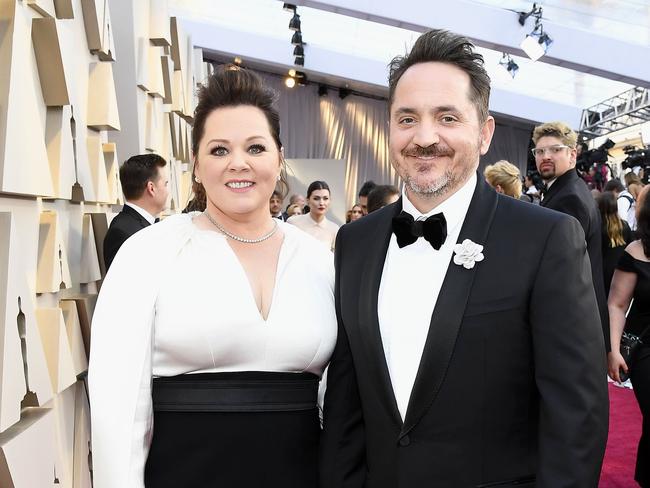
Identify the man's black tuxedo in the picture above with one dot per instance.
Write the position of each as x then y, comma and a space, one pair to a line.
124, 225
569, 194
511, 389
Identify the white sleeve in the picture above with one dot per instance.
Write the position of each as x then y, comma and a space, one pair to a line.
119, 373
623, 205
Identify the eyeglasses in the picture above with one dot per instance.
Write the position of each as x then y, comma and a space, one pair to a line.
539, 152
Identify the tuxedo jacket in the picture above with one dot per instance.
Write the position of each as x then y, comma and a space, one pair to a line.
569, 194
124, 225
511, 388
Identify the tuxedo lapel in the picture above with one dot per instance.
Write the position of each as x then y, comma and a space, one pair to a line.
557, 186
449, 309
372, 269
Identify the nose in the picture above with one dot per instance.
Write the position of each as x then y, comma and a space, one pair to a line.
238, 161
426, 134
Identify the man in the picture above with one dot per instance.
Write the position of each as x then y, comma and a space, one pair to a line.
485, 368
380, 196
555, 157
364, 191
145, 180
275, 205
295, 199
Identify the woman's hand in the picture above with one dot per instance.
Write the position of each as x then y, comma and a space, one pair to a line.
616, 363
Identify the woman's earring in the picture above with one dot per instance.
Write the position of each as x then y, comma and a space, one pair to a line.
279, 178
197, 179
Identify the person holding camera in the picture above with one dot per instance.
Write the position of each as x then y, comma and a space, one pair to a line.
631, 283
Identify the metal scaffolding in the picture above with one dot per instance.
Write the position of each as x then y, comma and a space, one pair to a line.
625, 110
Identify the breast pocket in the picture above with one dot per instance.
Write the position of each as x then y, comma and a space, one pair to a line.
492, 304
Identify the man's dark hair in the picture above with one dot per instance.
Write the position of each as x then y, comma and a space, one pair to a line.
136, 171
366, 188
277, 193
446, 47
379, 196
614, 185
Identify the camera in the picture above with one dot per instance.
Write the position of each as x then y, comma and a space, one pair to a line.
591, 157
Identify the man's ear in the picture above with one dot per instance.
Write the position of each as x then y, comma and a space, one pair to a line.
487, 131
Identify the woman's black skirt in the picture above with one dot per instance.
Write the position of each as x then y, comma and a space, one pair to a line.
240, 430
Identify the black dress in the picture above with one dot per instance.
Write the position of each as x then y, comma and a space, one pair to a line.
637, 320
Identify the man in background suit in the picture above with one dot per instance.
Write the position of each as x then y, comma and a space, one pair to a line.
145, 180
464, 358
555, 157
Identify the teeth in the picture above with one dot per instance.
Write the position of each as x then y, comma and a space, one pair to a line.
239, 184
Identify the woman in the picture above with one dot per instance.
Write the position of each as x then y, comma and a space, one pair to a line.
294, 209
315, 222
205, 364
633, 184
632, 281
615, 232
355, 213
504, 177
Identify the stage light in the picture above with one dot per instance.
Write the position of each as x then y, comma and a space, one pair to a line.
536, 11
290, 82
343, 92
299, 61
298, 50
509, 64
289, 7
294, 23
296, 39
531, 46
322, 90
237, 60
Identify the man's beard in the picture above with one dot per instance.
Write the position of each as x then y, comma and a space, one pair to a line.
440, 186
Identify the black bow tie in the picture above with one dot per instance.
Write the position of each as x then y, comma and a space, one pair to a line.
407, 230
156, 220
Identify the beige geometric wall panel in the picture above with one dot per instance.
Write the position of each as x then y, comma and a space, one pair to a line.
85, 308
75, 339
177, 38
90, 270
43, 7
58, 138
97, 20
200, 71
64, 428
100, 227
142, 63
64, 9
82, 453
97, 163
24, 167
178, 91
159, 33
188, 77
23, 369
57, 348
168, 75
112, 172
53, 272
187, 155
102, 100
47, 48
32, 438
156, 83
173, 132
155, 126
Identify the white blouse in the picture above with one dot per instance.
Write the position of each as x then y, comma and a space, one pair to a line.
194, 312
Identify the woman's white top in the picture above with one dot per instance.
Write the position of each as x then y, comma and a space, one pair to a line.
177, 300
325, 230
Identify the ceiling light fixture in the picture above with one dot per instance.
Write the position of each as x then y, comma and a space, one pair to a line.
535, 11
509, 64
296, 39
299, 50
290, 82
289, 7
294, 23
299, 60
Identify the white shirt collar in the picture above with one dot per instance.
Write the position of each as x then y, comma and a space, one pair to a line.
147, 216
454, 208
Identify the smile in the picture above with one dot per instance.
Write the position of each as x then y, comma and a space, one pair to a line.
239, 184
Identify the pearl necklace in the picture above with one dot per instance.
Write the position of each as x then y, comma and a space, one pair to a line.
241, 239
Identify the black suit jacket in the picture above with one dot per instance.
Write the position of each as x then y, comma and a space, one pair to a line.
511, 389
124, 225
569, 194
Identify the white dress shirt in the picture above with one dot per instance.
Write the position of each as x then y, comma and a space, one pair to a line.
410, 284
192, 312
147, 216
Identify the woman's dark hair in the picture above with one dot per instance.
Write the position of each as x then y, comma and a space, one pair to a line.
643, 224
446, 47
231, 86
317, 185
612, 224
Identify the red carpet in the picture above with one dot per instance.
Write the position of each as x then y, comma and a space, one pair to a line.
624, 433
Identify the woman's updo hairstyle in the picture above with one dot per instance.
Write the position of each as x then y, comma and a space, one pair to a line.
232, 86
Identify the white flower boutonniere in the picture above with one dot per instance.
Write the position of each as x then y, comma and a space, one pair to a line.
468, 253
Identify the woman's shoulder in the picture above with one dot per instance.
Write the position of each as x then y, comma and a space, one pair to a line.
160, 236
635, 249
305, 243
